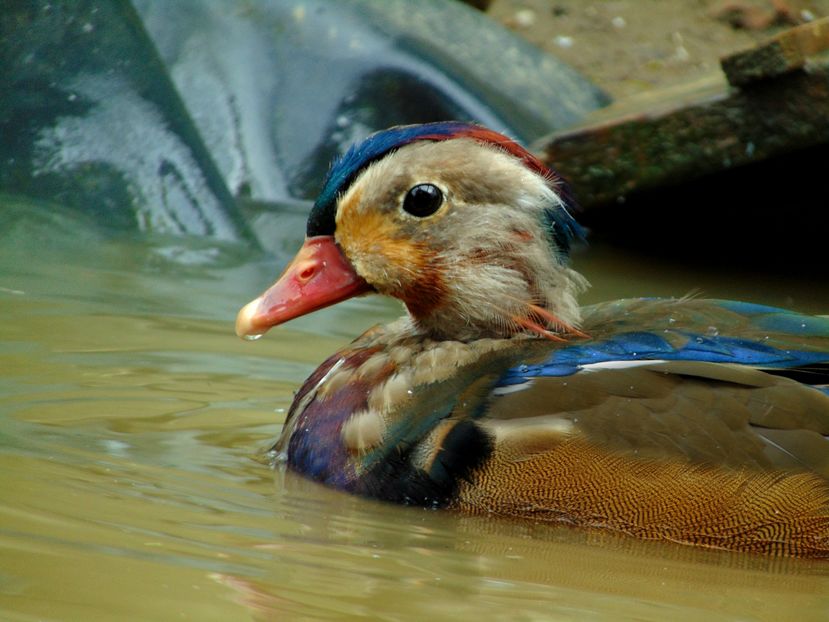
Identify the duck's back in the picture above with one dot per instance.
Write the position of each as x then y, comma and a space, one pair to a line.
712, 382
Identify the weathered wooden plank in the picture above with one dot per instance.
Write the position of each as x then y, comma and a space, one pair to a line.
781, 54
704, 129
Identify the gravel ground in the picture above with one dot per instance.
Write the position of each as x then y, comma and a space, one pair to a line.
631, 46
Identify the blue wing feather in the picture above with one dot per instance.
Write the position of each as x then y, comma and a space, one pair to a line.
789, 339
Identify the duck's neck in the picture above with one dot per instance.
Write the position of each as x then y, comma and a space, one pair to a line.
484, 305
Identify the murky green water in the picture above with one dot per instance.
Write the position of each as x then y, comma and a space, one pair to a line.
132, 423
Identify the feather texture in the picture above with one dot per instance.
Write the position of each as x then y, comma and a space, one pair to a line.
672, 447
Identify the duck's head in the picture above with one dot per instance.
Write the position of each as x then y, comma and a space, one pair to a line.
463, 225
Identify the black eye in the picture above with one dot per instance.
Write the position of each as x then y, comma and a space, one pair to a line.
423, 200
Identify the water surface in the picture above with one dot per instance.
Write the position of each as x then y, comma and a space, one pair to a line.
133, 425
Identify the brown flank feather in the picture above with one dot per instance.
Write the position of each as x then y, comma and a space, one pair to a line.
580, 484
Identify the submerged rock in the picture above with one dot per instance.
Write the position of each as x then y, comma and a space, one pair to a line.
90, 119
279, 87
158, 131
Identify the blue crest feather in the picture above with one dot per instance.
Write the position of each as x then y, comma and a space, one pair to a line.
321, 220
346, 167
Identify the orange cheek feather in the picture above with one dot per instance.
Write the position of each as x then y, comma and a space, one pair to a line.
396, 266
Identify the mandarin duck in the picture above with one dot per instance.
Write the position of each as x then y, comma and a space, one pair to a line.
703, 422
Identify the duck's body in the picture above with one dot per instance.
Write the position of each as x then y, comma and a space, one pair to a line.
702, 422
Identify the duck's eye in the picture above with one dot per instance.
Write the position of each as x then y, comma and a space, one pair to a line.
423, 200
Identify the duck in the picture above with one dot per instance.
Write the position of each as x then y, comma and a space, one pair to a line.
689, 420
